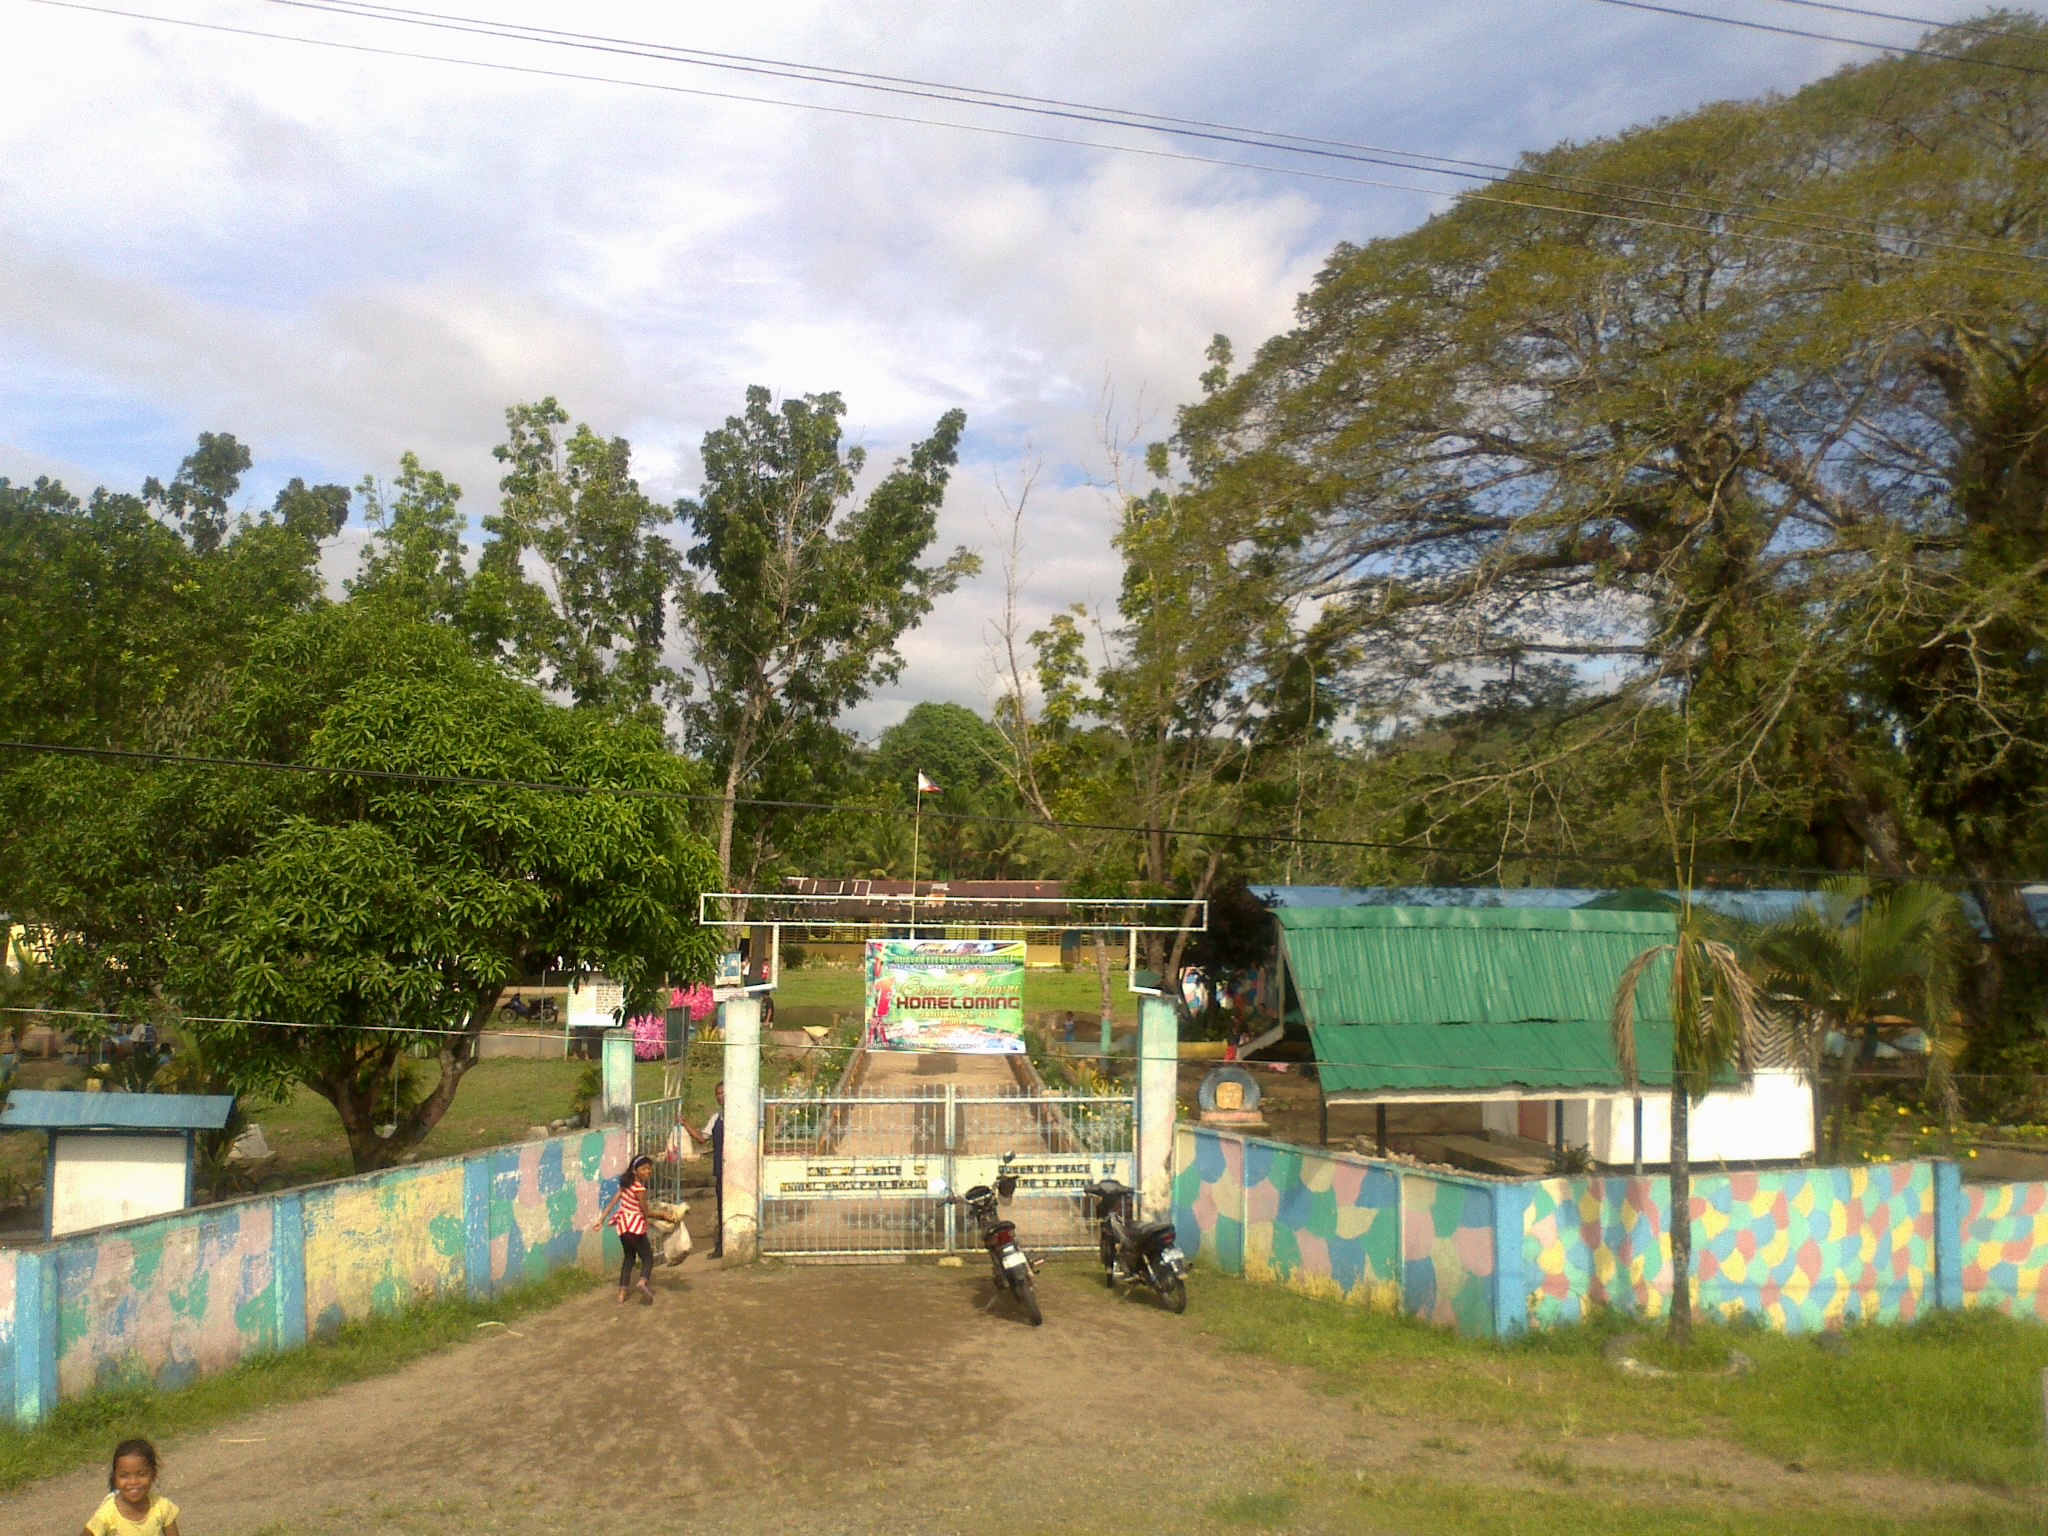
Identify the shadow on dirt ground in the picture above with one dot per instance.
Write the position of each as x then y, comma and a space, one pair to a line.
836, 1401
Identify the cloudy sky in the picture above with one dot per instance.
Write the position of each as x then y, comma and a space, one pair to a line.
339, 255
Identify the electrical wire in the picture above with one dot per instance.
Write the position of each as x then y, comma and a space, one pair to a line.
817, 1048
1484, 196
981, 818
1825, 37
1927, 22
1058, 107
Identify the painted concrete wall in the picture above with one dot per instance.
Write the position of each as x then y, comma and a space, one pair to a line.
1769, 1121
1799, 1249
1331, 1224
1802, 1249
2005, 1248
182, 1296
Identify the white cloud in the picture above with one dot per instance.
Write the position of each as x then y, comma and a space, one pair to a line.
339, 256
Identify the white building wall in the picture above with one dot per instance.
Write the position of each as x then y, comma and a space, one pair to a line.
98, 1179
1769, 1121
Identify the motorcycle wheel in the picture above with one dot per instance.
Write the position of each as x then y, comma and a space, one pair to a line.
1176, 1296
1027, 1294
1109, 1266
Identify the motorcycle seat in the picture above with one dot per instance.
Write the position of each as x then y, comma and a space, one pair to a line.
1146, 1231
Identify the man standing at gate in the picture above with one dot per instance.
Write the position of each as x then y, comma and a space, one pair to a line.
714, 1132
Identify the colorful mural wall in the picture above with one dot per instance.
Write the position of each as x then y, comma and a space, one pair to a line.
1331, 1225
1801, 1249
2004, 1245
177, 1297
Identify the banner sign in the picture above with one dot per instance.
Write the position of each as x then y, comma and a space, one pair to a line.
791, 1177
946, 995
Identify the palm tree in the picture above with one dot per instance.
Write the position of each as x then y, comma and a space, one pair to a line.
1715, 1022
1870, 965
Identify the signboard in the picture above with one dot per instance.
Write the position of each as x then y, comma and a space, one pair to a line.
964, 995
868, 1178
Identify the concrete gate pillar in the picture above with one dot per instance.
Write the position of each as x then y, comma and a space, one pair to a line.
1158, 1095
618, 1076
741, 1020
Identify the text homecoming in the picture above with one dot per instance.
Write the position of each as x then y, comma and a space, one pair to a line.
959, 1004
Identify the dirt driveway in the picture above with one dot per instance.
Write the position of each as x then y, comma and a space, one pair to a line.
832, 1401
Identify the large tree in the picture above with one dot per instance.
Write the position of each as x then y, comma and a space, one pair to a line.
317, 927
115, 609
798, 592
572, 587
1749, 421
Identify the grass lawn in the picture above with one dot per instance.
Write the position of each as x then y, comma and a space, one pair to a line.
81, 1431
1955, 1397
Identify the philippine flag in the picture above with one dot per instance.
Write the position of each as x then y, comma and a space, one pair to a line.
925, 786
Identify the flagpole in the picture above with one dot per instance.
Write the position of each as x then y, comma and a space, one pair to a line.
916, 827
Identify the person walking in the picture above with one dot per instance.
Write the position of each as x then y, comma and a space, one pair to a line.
132, 1506
627, 1213
714, 1133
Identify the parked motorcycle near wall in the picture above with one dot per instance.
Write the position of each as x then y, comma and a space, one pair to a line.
1139, 1252
1013, 1267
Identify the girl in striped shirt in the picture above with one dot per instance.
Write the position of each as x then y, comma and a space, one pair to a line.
628, 1215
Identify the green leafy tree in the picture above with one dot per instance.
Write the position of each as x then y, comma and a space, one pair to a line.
384, 915
1774, 460
968, 759
1868, 964
111, 618
593, 624
798, 593
415, 551
1716, 1019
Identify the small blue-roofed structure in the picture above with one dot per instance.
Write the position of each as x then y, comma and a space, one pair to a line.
115, 1157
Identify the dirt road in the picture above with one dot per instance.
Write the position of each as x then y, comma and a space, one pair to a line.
834, 1401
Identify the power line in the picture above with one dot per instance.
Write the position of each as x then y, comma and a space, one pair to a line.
982, 818
1497, 197
1928, 22
1825, 37
1060, 107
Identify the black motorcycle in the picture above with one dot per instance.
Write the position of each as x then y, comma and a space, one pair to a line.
539, 1011
1013, 1267
1140, 1252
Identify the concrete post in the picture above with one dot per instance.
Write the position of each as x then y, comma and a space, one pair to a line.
1510, 1277
742, 1235
1158, 1095
1948, 1235
618, 1077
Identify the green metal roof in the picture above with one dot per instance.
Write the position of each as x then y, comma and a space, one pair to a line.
1458, 1000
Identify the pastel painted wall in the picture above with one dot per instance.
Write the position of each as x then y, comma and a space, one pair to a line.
177, 1297
375, 1245
1332, 1224
1447, 1248
1802, 1249
2005, 1248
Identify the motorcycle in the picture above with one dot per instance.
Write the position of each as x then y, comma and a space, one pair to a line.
539, 1011
1013, 1267
1144, 1252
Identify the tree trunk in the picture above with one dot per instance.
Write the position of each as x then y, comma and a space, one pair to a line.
1681, 1215
2010, 989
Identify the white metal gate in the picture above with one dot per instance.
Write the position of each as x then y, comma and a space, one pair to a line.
658, 1132
848, 1175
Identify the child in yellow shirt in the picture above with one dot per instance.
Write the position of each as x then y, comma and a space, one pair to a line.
133, 1507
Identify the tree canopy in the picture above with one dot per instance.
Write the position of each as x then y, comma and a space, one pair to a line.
1767, 470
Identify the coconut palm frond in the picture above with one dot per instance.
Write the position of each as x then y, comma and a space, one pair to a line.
1622, 1017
